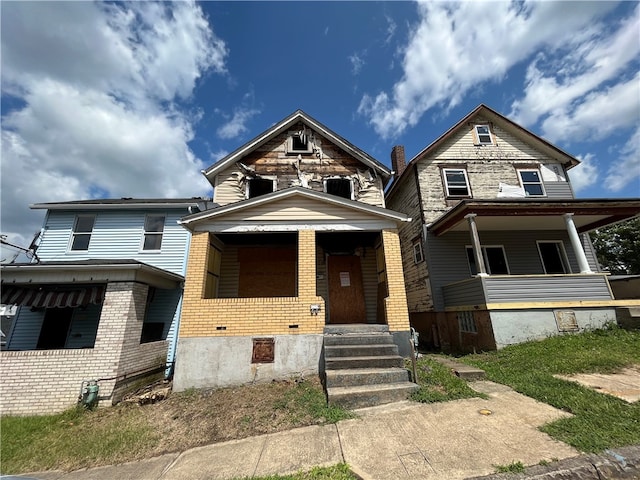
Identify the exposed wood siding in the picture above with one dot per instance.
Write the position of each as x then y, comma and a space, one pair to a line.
416, 276
117, 235
321, 273
272, 160
447, 255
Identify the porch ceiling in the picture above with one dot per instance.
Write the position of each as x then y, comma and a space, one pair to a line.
535, 215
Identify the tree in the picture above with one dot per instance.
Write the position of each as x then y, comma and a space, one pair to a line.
618, 247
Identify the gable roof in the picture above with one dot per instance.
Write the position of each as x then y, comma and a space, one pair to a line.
513, 128
283, 126
191, 220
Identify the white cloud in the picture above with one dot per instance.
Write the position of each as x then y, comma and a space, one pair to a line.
626, 170
98, 86
236, 125
391, 28
356, 63
584, 175
458, 46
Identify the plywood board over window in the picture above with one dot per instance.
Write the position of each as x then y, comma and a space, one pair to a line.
267, 272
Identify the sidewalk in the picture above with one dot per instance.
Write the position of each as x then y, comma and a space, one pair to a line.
452, 440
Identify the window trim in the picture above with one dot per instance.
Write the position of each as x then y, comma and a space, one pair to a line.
563, 257
337, 177
446, 183
291, 150
522, 182
145, 233
477, 135
75, 233
274, 181
485, 259
417, 243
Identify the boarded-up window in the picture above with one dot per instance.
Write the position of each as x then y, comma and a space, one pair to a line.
267, 272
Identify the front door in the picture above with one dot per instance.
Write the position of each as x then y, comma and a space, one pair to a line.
346, 293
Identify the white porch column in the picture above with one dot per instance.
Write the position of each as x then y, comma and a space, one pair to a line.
475, 242
576, 244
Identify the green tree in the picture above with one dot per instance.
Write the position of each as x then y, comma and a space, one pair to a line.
618, 247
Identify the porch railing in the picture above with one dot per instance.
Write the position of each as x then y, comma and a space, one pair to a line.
496, 289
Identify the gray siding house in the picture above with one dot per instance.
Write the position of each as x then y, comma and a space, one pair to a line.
497, 251
101, 300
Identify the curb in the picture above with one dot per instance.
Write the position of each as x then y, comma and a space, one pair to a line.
619, 464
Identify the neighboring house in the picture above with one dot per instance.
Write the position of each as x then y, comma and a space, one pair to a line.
497, 252
101, 303
301, 240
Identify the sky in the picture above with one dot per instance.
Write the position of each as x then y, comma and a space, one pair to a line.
110, 100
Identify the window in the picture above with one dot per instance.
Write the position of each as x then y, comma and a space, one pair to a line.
483, 134
340, 187
531, 182
298, 142
495, 261
553, 257
418, 255
82, 232
260, 186
153, 230
456, 182
466, 322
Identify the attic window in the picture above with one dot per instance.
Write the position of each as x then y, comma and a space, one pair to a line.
260, 186
298, 142
483, 135
340, 187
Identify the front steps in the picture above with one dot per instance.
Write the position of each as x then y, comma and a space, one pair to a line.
362, 366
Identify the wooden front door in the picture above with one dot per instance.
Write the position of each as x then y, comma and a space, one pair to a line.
346, 293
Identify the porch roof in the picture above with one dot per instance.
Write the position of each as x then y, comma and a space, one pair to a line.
292, 209
88, 272
519, 214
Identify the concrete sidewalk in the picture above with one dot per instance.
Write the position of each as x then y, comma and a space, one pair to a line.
452, 440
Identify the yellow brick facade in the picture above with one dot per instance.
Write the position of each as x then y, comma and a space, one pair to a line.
222, 317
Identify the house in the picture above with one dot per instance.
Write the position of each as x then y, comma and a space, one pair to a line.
102, 301
300, 245
497, 251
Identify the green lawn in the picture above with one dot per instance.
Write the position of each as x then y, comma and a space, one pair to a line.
337, 472
437, 384
599, 421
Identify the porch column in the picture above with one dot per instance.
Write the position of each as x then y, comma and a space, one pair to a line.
475, 243
576, 243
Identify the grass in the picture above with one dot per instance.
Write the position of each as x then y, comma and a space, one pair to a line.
599, 421
336, 472
513, 467
79, 438
437, 384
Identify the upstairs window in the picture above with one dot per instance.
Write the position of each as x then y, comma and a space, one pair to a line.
495, 261
456, 182
483, 135
260, 186
82, 230
153, 231
298, 142
531, 182
418, 254
340, 187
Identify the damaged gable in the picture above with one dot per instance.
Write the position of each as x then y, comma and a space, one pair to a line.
298, 153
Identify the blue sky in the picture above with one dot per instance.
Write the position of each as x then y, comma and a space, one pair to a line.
134, 99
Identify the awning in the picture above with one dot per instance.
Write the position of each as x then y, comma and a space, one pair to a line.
52, 297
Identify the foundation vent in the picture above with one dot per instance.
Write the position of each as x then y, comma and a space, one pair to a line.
566, 321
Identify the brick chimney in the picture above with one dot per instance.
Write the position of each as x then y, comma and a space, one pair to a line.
398, 163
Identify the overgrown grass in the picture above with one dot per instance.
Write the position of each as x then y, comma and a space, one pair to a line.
337, 472
438, 384
513, 467
72, 438
600, 421
312, 401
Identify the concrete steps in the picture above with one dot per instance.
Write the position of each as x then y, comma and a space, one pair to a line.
363, 367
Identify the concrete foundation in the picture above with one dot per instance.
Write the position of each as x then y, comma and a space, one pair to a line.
212, 362
517, 326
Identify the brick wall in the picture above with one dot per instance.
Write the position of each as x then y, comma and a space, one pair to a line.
396, 303
48, 381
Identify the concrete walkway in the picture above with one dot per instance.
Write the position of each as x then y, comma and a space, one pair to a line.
452, 440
